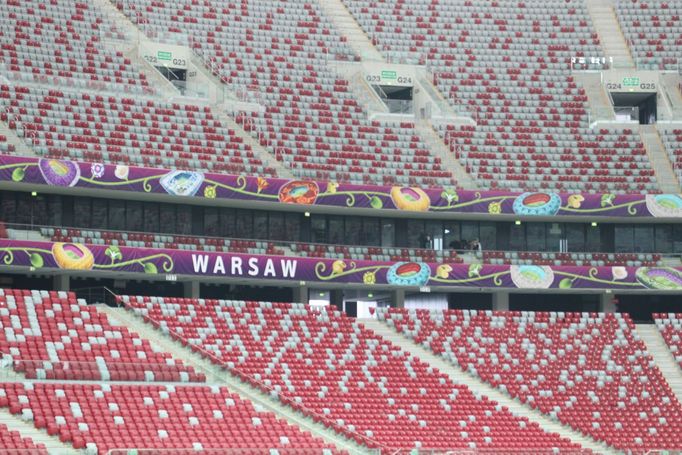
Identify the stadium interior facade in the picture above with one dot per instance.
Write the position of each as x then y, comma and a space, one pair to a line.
340, 226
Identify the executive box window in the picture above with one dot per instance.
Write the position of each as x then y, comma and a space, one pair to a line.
183, 219
535, 237
116, 214
244, 224
260, 225
151, 217
134, 216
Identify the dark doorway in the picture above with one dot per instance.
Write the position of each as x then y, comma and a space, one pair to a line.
637, 106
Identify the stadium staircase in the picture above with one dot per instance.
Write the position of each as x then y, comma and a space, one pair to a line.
266, 157
346, 25
214, 375
442, 151
672, 84
162, 85
658, 157
663, 358
170, 92
12, 139
39, 436
611, 36
481, 388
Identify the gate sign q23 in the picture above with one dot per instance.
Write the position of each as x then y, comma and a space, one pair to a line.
396, 75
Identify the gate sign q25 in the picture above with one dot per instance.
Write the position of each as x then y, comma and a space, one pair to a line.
637, 81
396, 75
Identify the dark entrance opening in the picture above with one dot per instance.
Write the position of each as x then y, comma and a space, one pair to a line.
638, 106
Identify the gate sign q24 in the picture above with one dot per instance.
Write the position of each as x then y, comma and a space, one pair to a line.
396, 75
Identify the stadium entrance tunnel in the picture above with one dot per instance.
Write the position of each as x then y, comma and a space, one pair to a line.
397, 99
639, 106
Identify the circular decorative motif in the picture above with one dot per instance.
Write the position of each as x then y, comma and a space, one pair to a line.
410, 199
182, 183
532, 276
408, 274
537, 204
299, 192
58, 172
665, 278
664, 205
72, 256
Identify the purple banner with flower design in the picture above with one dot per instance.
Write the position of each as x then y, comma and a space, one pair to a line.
78, 257
411, 199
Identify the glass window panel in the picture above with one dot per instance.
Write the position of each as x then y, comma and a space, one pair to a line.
575, 237
415, 233
8, 211
664, 238
211, 222
644, 238
535, 237
593, 238
228, 223
54, 210
100, 214
677, 238
623, 238
151, 217
470, 231
488, 238
336, 230
244, 224
276, 226
517, 237
167, 218
292, 227
81, 210
183, 219
451, 235
554, 233
371, 231
318, 229
40, 216
353, 230
134, 219
117, 214
387, 233
24, 208
260, 225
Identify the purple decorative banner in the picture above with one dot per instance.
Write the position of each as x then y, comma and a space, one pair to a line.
253, 188
79, 257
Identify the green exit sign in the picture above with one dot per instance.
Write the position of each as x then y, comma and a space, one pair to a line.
631, 82
389, 75
164, 55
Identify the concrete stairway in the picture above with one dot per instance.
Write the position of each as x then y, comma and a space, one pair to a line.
52, 443
672, 84
347, 26
477, 386
655, 345
658, 157
265, 156
20, 147
162, 85
611, 36
439, 149
216, 375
